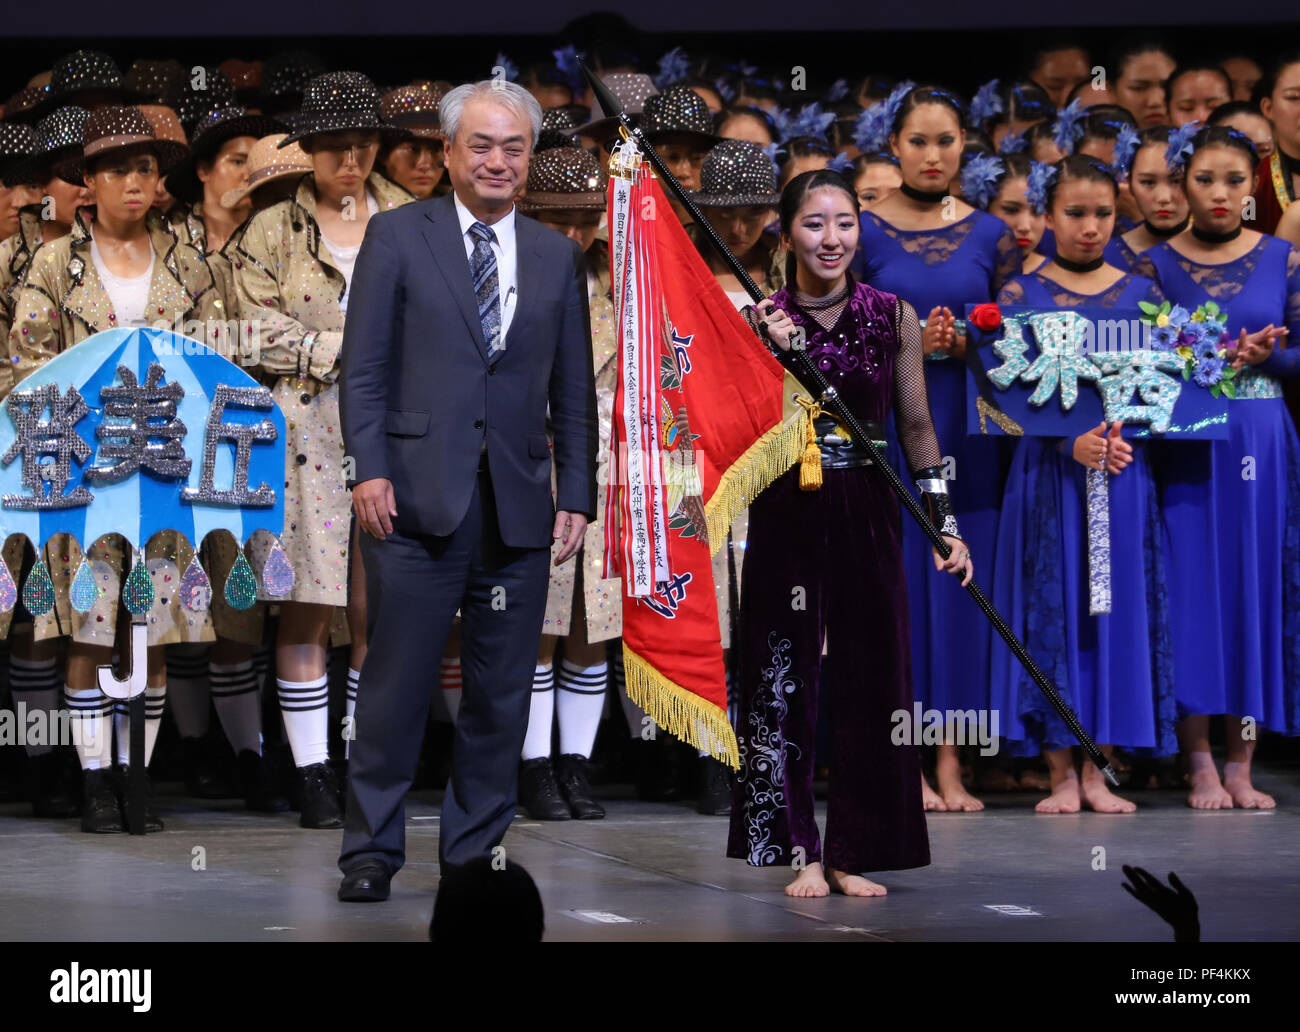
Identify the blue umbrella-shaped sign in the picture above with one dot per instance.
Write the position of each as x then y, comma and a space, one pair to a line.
133, 432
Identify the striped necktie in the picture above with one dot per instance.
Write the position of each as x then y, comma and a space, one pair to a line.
483, 269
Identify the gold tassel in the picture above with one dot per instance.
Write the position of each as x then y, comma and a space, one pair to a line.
810, 462
680, 712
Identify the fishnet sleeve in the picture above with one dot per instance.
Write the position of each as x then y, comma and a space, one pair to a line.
911, 402
1009, 262
1284, 362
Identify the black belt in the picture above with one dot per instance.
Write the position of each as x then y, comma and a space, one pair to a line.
838, 451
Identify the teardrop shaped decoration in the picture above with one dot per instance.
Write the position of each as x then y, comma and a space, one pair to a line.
85, 592
8, 589
241, 585
196, 588
138, 592
277, 574
38, 592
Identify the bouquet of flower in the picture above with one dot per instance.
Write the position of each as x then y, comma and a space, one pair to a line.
1199, 338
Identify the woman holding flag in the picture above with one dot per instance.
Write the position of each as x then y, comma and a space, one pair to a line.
830, 513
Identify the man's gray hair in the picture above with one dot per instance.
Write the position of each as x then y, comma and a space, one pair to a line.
501, 91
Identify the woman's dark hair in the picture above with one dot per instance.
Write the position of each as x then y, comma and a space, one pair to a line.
928, 95
840, 133
1079, 167
699, 81
874, 88
1038, 131
792, 198
1022, 102
802, 147
1194, 69
745, 111
1055, 44
1223, 136
1266, 85
1135, 46
1231, 110
864, 161
1017, 166
757, 89
981, 144
1104, 122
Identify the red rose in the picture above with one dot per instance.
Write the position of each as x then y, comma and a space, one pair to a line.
986, 317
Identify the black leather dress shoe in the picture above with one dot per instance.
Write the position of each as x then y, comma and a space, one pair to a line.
715, 794
366, 883
152, 822
539, 795
257, 786
576, 787
49, 793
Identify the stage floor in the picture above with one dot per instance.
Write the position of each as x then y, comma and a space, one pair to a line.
657, 872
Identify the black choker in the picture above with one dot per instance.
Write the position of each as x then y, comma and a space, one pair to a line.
1206, 236
1164, 234
1070, 266
923, 196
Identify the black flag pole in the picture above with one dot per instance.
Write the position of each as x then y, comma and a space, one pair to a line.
815, 382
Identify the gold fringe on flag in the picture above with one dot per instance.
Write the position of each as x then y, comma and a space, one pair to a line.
765, 460
680, 712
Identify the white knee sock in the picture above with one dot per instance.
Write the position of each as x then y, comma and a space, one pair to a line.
36, 684
92, 731
350, 711
305, 708
238, 704
155, 698
579, 702
449, 678
187, 677
541, 713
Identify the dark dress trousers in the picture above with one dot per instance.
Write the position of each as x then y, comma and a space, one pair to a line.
463, 440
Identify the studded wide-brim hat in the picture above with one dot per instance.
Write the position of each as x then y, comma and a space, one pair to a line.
412, 111
564, 179
152, 81
267, 162
737, 174
337, 102
679, 109
245, 77
82, 76
115, 128
210, 135
195, 95
17, 144
285, 77
632, 89
59, 138
27, 105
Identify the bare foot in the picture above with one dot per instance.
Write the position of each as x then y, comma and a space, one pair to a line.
957, 799
930, 799
1207, 791
1100, 799
855, 884
1035, 780
809, 882
1064, 798
1246, 795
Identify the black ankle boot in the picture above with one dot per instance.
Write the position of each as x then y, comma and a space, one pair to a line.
539, 795
321, 806
152, 822
574, 784
101, 813
48, 789
715, 791
257, 786
202, 779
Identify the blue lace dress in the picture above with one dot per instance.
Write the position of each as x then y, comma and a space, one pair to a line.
1119, 254
1114, 670
966, 262
1232, 508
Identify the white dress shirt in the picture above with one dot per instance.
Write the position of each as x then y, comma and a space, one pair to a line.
503, 247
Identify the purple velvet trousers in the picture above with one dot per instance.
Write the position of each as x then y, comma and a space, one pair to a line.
826, 566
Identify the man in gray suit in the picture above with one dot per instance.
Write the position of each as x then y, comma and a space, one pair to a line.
466, 320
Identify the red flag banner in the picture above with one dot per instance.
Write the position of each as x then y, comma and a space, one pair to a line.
702, 423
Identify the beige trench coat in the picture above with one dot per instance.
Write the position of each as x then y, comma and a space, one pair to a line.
286, 279
15, 255
60, 303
